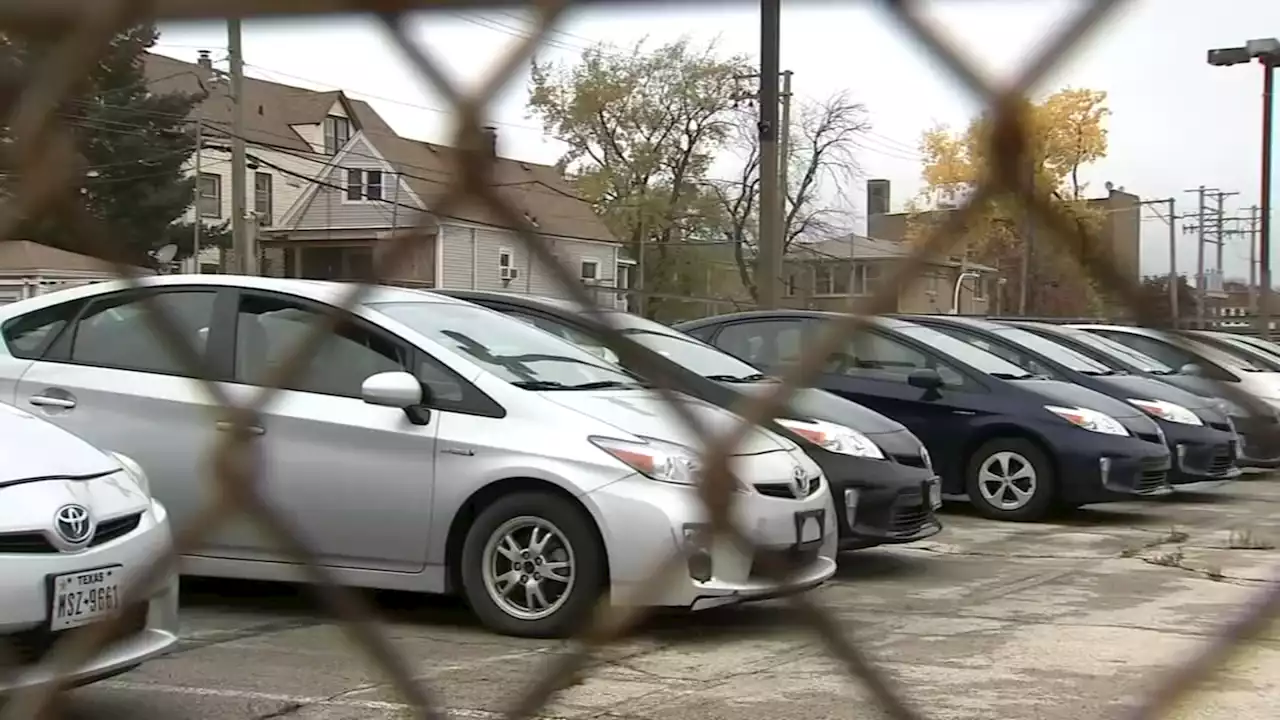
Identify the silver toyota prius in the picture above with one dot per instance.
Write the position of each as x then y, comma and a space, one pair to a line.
77, 525
432, 445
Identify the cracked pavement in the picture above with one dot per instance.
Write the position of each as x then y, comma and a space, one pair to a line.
1066, 619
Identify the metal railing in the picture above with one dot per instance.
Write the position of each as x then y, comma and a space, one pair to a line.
44, 155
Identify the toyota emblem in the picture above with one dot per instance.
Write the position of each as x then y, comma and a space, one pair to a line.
799, 482
74, 524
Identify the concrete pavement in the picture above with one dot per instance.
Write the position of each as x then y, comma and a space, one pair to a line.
986, 620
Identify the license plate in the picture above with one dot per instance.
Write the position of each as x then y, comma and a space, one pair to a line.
84, 597
808, 527
935, 494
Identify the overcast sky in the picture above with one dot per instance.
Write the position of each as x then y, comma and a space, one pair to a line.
1178, 123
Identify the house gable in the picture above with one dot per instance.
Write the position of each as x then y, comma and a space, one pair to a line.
324, 204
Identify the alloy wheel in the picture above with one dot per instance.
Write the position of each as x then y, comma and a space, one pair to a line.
1007, 480
529, 568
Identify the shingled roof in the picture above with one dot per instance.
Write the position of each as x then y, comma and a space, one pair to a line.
271, 110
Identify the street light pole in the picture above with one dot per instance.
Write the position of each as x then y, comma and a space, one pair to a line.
1267, 52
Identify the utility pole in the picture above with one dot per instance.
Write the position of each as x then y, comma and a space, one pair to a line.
769, 262
246, 256
1199, 230
1174, 283
1253, 260
1269, 64
198, 225
1028, 233
1209, 230
784, 163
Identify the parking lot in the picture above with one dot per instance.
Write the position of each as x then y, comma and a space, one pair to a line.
1058, 620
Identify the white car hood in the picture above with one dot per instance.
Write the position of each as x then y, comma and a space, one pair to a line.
647, 414
33, 448
1263, 384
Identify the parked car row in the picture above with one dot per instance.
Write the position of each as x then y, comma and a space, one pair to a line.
491, 445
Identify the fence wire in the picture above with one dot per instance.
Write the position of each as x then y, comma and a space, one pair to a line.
44, 156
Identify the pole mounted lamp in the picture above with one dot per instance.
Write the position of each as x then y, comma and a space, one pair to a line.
1267, 52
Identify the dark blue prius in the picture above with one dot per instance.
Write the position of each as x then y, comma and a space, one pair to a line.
1014, 444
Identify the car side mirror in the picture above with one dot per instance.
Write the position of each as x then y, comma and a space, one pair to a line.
1191, 369
397, 389
925, 379
604, 353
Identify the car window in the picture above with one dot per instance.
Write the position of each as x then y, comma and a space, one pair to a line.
763, 343
508, 348
693, 354
1123, 354
567, 333
964, 353
874, 355
268, 330
1056, 352
1167, 353
1023, 360
115, 332
27, 336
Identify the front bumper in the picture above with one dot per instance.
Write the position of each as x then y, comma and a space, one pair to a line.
890, 502
148, 627
1109, 468
644, 522
1259, 441
1200, 454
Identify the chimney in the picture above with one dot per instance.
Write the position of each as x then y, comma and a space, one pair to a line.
877, 197
490, 134
205, 62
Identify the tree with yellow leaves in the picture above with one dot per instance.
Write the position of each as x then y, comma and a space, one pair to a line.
1066, 132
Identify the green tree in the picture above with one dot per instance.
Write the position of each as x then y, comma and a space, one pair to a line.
132, 146
642, 129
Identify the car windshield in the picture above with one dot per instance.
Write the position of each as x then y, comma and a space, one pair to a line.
1058, 353
1255, 359
1122, 352
518, 353
971, 355
696, 356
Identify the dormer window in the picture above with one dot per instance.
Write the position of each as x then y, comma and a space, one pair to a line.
337, 131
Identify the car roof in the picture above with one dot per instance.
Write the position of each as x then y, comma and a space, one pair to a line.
977, 323
878, 320
328, 291
619, 319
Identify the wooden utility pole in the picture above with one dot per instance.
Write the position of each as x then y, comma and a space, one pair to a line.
769, 260
784, 163
246, 255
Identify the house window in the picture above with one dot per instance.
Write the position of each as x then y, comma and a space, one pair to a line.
979, 288
504, 258
364, 185
866, 278
262, 195
210, 198
336, 263
789, 288
831, 278
590, 270
337, 131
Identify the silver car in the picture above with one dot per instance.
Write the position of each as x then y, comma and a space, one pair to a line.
76, 527
432, 445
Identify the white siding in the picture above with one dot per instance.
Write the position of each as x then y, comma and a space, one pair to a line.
462, 243
329, 209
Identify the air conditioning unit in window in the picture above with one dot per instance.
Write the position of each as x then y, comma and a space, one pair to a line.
508, 273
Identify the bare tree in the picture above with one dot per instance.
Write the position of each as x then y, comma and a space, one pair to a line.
820, 165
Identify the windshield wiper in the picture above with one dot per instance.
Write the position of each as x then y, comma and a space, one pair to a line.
554, 385
1010, 376
752, 378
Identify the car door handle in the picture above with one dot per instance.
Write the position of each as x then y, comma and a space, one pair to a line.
224, 426
47, 401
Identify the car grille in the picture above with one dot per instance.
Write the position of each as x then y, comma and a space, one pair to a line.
1220, 462
910, 459
791, 559
1151, 438
783, 490
1152, 478
1224, 427
28, 647
908, 518
36, 542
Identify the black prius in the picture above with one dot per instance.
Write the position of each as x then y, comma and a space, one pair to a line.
1256, 422
880, 474
1198, 434
1013, 444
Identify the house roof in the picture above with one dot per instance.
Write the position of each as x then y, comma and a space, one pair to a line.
271, 109
26, 256
860, 247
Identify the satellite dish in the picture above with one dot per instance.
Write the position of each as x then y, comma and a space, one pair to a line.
165, 255
1109, 186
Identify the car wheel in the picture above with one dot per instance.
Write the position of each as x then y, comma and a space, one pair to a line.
1010, 479
532, 566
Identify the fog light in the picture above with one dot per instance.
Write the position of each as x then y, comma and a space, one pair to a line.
1180, 450
1104, 469
850, 507
697, 547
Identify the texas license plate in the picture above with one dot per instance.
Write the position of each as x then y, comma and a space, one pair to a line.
84, 597
935, 494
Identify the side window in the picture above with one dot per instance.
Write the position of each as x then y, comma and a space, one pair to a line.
568, 334
28, 336
1170, 355
875, 356
115, 332
765, 344
1021, 359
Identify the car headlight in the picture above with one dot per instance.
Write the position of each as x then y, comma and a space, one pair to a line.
924, 456
1090, 420
655, 459
134, 471
834, 438
1168, 411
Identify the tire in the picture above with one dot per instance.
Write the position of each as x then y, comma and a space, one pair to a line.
568, 536
1025, 468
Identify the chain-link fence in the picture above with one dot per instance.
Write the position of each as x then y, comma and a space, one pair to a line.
44, 156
